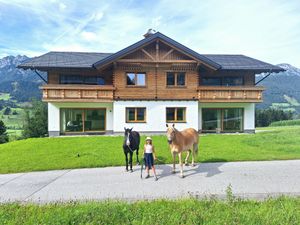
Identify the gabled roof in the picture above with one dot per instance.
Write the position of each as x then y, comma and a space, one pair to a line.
242, 62
64, 60
149, 40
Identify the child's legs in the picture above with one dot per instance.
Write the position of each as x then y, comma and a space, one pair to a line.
153, 169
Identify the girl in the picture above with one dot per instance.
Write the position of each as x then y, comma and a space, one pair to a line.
149, 155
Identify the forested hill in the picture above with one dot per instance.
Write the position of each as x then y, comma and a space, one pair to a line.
282, 89
21, 84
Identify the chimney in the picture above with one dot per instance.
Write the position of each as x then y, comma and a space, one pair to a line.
149, 33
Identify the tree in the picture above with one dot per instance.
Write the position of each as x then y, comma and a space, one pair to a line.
7, 111
3, 133
264, 118
36, 120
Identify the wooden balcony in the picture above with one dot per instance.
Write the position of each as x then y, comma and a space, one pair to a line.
77, 93
230, 94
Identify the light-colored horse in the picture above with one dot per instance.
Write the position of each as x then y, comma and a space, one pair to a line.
180, 141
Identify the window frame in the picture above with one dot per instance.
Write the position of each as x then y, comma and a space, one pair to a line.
136, 78
135, 115
176, 119
82, 79
222, 81
176, 79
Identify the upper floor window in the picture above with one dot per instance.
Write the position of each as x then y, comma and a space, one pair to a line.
175, 79
136, 79
135, 115
223, 81
81, 79
175, 114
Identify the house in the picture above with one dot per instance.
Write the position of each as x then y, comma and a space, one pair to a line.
148, 84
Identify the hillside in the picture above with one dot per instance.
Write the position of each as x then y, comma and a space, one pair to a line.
22, 85
282, 89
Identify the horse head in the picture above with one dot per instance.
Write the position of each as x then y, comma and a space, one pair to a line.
127, 134
171, 133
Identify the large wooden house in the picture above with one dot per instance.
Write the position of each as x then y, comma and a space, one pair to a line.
148, 84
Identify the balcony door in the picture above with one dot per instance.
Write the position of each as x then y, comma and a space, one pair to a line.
82, 120
226, 120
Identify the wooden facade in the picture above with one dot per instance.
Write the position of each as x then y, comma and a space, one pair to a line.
155, 60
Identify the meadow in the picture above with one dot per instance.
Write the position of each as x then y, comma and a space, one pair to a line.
38, 154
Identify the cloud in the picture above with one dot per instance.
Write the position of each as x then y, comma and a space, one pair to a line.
268, 30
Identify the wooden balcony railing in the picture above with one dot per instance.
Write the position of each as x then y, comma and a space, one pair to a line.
230, 94
77, 93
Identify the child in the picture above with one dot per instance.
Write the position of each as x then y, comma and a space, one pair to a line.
149, 154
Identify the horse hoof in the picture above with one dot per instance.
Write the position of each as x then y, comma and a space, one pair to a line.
193, 165
131, 171
182, 176
186, 164
173, 171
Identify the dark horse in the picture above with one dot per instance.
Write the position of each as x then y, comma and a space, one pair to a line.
130, 144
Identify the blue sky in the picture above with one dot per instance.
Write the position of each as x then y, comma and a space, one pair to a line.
267, 30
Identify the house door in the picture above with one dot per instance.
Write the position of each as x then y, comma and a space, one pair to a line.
82, 120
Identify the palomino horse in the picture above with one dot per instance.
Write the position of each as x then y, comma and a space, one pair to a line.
180, 141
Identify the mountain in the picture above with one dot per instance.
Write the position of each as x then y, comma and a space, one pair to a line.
21, 84
282, 89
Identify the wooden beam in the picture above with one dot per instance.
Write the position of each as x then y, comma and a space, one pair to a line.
148, 54
156, 61
157, 50
168, 53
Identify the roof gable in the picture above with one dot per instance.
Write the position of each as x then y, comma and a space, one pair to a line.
157, 36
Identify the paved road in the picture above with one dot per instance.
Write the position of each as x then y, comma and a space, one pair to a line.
248, 179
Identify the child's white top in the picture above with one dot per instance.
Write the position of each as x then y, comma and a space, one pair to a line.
148, 148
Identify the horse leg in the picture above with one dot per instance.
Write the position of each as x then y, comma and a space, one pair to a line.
195, 149
137, 157
126, 160
181, 164
130, 161
187, 157
174, 161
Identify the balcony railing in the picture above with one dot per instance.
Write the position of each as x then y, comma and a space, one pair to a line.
78, 93
230, 93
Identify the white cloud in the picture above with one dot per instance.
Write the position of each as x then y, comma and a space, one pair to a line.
88, 36
62, 6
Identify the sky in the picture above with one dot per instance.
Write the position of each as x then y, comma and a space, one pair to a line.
263, 29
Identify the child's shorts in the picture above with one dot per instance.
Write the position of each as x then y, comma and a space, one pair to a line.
149, 161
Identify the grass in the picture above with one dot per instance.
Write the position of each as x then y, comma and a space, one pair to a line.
185, 211
38, 154
4, 96
285, 123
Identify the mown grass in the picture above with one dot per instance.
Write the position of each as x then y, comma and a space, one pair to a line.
99, 151
187, 211
4, 96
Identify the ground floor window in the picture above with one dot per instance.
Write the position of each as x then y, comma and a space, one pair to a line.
227, 119
135, 115
175, 115
82, 120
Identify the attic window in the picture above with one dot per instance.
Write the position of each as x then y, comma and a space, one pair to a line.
136, 79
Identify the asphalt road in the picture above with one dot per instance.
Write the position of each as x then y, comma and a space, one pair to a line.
247, 180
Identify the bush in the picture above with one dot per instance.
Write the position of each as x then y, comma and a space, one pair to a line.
7, 111
264, 118
3, 133
36, 120
285, 123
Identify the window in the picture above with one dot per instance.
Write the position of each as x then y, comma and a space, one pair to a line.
135, 115
136, 79
175, 79
227, 119
82, 120
81, 79
175, 114
233, 81
211, 81
223, 81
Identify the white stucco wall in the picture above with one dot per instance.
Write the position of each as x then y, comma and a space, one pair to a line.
54, 113
156, 115
249, 112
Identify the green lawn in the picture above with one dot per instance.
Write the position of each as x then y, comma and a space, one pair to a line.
99, 151
4, 96
188, 211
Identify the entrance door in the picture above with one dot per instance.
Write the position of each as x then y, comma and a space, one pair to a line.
82, 120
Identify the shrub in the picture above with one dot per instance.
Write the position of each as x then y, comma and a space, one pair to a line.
264, 118
3, 133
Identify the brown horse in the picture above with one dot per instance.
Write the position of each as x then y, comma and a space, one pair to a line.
180, 141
